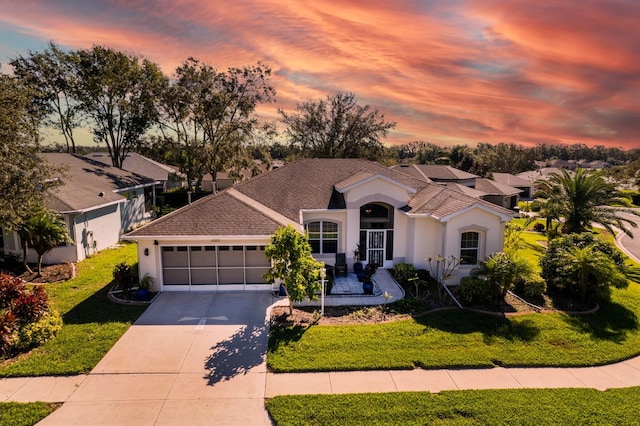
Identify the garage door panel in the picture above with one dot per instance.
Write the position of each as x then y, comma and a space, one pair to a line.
203, 256
255, 257
204, 276
255, 275
230, 256
176, 277
175, 257
231, 276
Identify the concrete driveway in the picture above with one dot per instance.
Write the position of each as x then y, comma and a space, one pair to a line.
191, 358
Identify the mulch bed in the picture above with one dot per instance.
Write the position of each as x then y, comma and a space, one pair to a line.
49, 274
344, 315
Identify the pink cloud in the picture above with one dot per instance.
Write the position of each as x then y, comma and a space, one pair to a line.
449, 72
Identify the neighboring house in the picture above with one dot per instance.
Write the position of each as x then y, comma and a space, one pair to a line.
224, 181
99, 203
563, 164
166, 176
218, 242
502, 195
438, 173
525, 185
536, 175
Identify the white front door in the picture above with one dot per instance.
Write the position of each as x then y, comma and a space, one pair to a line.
376, 243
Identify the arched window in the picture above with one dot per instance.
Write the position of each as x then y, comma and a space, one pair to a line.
323, 237
469, 248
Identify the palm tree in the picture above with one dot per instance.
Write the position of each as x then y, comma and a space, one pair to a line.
44, 231
585, 199
502, 271
594, 272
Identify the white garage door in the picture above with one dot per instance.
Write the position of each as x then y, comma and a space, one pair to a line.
214, 267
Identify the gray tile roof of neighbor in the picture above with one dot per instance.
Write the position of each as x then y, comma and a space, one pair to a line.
83, 180
137, 163
438, 172
490, 187
465, 190
219, 214
511, 180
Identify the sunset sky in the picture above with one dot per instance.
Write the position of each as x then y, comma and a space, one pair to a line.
448, 72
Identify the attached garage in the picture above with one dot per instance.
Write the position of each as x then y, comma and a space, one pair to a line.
214, 267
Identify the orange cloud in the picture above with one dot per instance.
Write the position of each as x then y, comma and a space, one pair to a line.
447, 72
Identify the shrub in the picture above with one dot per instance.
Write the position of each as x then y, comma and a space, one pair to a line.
25, 320
124, 276
36, 333
581, 266
535, 206
538, 227
474, 290
403, 272
532, 287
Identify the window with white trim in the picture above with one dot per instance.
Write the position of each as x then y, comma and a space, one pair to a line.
469, 248
323, 237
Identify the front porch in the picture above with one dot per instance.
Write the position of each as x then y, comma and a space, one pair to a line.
348, 291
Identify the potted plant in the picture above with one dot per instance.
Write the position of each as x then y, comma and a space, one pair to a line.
144, 286
367, 274
357, 265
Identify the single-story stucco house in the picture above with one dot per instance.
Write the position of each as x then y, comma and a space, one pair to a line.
99, 204
218, 242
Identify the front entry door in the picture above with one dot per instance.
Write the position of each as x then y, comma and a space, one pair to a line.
376, 246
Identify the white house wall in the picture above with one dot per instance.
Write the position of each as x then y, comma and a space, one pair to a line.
132, 210
426, 241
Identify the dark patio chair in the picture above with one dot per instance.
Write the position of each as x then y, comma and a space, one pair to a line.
340, 268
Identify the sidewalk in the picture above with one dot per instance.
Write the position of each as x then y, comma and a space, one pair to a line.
619, 375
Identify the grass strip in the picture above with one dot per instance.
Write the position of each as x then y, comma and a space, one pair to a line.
24, 414
92, 324
480, 407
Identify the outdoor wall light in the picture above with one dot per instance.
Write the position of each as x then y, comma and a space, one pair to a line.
146, 252
155, 242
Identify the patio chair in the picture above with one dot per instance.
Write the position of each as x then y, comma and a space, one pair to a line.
340, 268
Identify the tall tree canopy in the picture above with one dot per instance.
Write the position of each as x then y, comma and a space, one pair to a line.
23, 177
211, 114
585, 198
337, 127
51, 74
117, 93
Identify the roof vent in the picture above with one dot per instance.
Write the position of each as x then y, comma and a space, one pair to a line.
101, 194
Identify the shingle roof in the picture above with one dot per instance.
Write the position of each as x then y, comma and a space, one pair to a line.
84, 180
219, 214
309, 183
442, 172
137, 163
511, 180
490, 187
466, 190
440, 201
410, 169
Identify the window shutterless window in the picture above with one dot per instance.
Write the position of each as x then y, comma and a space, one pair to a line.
323, 237
469, 246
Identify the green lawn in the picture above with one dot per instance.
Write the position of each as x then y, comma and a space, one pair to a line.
485, 407
24, 414
92, 324
456, 339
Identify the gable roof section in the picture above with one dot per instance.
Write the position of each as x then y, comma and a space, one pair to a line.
442, 172
490, 187
138, 164
219, 214
363, 177
441, 202
465, 190
310, 184
410, 169
84, 180
511, 180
